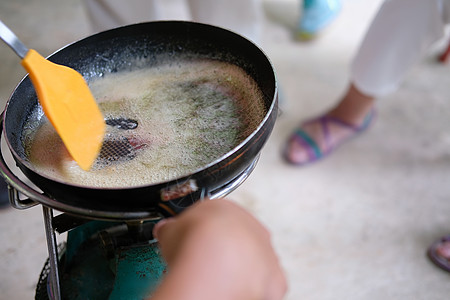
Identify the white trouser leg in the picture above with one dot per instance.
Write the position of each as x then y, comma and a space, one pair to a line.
400, 34
241, 16
107, 14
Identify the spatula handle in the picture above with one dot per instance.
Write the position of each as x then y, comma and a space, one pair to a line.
12, 40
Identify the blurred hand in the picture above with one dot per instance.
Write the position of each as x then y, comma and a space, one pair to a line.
217, 250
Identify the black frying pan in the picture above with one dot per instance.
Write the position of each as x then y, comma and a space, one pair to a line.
111, 51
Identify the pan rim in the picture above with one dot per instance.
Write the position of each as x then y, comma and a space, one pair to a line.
224, 157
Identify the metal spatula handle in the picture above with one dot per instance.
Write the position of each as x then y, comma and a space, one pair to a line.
12, 40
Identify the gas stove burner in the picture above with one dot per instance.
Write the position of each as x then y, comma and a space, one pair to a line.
93, 246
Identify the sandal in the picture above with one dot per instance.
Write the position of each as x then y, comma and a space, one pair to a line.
306, 141
439, 253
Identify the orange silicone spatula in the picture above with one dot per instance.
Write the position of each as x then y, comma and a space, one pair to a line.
66, 100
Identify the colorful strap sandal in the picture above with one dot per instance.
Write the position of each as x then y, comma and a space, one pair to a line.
439, 253
311, 150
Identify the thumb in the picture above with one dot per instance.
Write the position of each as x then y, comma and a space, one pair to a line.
158, 228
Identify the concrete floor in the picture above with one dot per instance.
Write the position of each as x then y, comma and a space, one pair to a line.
353, 226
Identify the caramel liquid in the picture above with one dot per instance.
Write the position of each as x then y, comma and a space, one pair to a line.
189, 114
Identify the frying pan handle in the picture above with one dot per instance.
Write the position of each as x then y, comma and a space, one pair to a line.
177, 198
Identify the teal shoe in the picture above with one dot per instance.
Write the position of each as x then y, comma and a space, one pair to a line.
316, 15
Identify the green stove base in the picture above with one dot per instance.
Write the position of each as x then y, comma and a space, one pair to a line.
99, 261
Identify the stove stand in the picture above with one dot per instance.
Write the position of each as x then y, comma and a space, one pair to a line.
123, 242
